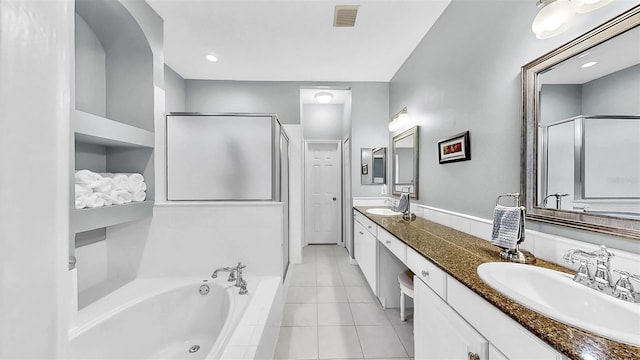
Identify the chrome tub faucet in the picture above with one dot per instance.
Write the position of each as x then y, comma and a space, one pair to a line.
235, 274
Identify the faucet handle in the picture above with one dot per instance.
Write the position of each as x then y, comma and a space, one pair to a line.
240, 266
623, 288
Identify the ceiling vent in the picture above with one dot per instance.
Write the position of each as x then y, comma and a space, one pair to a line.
345, 15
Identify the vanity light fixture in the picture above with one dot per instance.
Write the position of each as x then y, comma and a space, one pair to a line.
211, 58
589, 64
398, 120
323, 97
585, 6
553, 18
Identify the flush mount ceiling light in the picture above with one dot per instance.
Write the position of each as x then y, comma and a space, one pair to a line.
553, 18
589, 64
323, 97
398, 120
584, 6
211, 58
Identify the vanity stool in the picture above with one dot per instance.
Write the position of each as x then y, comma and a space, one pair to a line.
405, 279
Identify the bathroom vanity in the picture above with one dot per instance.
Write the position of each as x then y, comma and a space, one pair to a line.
453, 307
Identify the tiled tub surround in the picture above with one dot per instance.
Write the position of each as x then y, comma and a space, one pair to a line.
459, 254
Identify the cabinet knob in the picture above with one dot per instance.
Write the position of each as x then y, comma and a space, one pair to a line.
369, 226
361, 233
425, 273
334, 198
388, 242
473, 356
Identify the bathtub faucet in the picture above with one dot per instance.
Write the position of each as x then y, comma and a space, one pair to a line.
240, 282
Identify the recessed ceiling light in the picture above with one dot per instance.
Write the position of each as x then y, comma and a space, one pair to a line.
211, 58
589, 64
324, 97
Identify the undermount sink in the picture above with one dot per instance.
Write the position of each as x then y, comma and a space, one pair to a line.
383, 212
555, 295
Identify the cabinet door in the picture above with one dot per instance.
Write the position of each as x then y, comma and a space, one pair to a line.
440, 333
365, 253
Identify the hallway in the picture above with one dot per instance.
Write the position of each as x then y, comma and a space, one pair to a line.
330, 313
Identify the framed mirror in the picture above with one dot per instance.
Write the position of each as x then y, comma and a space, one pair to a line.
404, 154
373, 166
581, 131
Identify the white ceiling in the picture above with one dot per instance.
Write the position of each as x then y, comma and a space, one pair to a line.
292, 40
613, 55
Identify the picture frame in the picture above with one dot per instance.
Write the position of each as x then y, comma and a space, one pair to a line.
455, 148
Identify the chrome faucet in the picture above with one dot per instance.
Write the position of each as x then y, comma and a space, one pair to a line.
602, 280
240, 282
558, 196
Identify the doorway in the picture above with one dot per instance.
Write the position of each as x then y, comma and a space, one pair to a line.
323, 195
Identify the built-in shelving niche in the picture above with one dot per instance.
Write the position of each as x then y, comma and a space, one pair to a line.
114, 105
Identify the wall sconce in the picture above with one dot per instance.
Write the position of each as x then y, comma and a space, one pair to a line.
398, 120
555, 16
323, 97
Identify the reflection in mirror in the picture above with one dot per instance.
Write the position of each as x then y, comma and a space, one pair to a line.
405, 162
373, 166
582, 133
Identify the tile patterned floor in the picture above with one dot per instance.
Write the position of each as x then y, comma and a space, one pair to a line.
330, 313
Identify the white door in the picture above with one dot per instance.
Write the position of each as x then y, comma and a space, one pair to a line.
322, 192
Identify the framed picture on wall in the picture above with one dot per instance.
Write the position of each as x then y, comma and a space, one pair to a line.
455, 148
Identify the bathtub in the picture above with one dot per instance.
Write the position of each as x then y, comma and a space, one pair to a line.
169, 318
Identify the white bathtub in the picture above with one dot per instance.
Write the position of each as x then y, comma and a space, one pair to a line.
163, 318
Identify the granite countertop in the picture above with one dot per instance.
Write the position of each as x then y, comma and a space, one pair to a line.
459, 255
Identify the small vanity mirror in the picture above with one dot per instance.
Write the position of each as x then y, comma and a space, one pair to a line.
404, 153
373, 166
582, 131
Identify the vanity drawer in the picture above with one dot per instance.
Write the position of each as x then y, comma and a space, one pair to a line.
367, 223
428, 272
397, 247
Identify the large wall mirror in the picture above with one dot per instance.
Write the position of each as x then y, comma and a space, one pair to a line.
581, 102
373, 166
404, 154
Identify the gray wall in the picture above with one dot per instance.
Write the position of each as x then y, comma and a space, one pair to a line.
369, 110
558, 102
90, 70
322, 122
615, 94
174, 90
465, 75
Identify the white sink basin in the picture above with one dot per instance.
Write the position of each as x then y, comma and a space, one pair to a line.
555, 295
383, 212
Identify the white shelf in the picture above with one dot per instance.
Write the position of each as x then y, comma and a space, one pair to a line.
93, 129
95, 218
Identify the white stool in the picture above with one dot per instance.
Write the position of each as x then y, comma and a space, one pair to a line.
405, 279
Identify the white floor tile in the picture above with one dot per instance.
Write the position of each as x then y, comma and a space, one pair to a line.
301, 295
380, 341
393, 314
405, 333
368, 314
352, 278
334, 314
300, 315
297, 343
331, 294
327, 267
338, 342
303, 276
329, 279
359, 294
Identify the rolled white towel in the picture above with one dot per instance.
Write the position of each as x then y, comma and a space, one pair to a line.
94, 200
119, 197
82, 190
119, 180
88, 178
81, 201
136, 178
134, 187
139, 196
105, 186
108, 200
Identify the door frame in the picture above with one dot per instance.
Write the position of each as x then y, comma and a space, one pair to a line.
304, 187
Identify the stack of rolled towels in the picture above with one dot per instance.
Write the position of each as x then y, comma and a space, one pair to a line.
94, 190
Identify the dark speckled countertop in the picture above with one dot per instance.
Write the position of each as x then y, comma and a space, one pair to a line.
459, 255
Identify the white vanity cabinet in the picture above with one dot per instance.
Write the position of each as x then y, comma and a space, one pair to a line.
365, 249
439, 332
